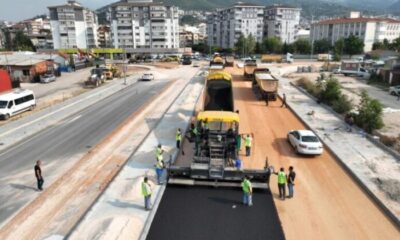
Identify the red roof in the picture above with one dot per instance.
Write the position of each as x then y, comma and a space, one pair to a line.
356, 20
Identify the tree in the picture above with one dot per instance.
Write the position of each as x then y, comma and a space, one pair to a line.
245, 45
322, 46
338, 49
353, 45
189, 20
201, 47
332, 91
396, 44
250, 44
377, 45
272, 45
21, 42
258, 48
370, 113
302, 46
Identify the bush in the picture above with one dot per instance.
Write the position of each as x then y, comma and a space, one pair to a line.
370, 112
309, 86
342, 105
388, 140
332, 91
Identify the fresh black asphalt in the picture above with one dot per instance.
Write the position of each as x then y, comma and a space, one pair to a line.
207, 213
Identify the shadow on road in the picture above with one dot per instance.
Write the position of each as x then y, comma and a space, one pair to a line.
120, 204
23, 187
224, 200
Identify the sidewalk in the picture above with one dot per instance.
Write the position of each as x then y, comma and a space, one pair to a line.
119, 213
374, 168
17, 130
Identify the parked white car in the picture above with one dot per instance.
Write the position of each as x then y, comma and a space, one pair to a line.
46, 78
305, 142
394, 90
147, 77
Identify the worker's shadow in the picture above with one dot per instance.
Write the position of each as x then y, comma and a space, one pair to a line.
22, 187
120, 204
224, 200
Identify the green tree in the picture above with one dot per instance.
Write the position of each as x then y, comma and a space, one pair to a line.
332, 91
250, 45
21, 42
258, 48
201, 47
377, 45
272, 45
395, 44
353, 45
338, 49
302, 46
322, 46
245, 45
189, 20
370, 112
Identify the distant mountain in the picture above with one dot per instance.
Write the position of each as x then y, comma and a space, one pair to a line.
310, 7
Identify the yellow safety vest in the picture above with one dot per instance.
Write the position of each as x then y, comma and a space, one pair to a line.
146, 190
246, 185
195, 131
178, 136
281, 177
247, 141
159, 154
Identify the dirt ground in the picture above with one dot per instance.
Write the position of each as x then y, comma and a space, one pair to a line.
328, 204
165, 65
352, 87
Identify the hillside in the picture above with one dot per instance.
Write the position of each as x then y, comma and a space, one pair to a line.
310, 7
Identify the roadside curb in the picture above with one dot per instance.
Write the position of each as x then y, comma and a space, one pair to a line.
348, 170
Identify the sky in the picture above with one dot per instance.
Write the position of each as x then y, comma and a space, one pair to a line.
16, 10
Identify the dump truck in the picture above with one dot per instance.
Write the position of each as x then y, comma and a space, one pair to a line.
265, 85
96, 77
229, 61
248, 68
324, 57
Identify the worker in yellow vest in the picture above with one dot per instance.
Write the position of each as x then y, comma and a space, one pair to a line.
247, 143
282, 180
159, 164
146, 192
178, 138
247, 192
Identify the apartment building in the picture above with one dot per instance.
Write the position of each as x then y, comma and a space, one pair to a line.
73, 26
368, 29
104, 36
282, 21
144, 24
225, 26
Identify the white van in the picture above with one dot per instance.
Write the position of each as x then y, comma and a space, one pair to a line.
17, 101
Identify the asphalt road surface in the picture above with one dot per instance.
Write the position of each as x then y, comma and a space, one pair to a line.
214, 213
59, 144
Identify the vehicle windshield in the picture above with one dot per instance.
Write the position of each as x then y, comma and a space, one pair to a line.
309, 139
3, 104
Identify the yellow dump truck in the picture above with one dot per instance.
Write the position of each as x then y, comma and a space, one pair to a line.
265, 84
229, 61
248, 68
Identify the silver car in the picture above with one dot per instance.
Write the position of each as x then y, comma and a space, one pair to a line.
147, 77
46, 78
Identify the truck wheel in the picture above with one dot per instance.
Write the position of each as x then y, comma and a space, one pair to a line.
97, 83
7, 116
31, 108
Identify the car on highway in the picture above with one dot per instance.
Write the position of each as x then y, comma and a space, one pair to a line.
147, 77
394, 90
46, 78
305, 142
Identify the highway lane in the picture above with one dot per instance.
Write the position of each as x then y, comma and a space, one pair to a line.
59, 145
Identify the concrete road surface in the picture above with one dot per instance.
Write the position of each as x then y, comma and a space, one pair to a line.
214, 213
60, 145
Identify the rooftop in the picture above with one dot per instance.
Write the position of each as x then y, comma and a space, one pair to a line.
356, 20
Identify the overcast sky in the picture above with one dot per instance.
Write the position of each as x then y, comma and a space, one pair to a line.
15, 10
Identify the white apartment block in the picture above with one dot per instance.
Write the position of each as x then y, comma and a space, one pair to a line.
282, 22
369, 30
73, 26
144, 24
225, 26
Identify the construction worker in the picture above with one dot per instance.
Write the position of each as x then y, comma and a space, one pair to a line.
247, 144
159, 164
178, 138
281, 183
146, 192
247, 192
284, 101
290, 181
38, 175
196, 135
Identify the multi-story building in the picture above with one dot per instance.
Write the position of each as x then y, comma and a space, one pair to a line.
104, 36
191, 35
225, 26
282, 21
144, 24
73, 26
368, 29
